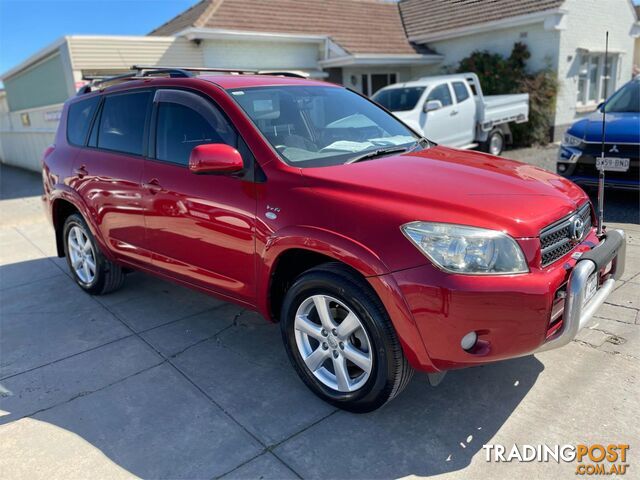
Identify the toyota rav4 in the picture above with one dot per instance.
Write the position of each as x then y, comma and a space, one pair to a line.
379, 252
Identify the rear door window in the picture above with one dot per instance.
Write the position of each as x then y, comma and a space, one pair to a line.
79, 120
460, 89
122, 123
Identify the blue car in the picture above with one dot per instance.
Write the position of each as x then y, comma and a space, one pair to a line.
579, 155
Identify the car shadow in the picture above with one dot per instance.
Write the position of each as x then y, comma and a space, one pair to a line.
426, 430
149, 420
18, 183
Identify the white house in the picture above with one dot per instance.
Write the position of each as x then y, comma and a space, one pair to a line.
363, 44
567, 36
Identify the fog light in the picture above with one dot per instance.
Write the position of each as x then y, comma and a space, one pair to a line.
469, 340
562, 167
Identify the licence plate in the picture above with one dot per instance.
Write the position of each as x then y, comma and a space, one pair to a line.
592, 287
613, 164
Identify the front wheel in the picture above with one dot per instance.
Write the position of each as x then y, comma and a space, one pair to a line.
340, 340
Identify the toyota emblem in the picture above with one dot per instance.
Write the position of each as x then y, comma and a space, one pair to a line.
576, 228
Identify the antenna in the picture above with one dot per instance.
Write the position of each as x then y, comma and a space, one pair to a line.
604, 116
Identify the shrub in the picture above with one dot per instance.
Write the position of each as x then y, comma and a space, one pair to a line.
499, 75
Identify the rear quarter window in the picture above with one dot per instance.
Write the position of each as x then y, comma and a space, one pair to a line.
79, 120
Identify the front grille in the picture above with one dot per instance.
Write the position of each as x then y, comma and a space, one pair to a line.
623, 150
556, 241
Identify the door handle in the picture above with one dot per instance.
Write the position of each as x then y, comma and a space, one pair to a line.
454, 112
81, 171
153, 186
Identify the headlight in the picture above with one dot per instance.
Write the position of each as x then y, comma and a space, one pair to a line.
571, 141
467, 250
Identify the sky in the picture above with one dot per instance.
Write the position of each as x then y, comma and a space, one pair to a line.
27, 26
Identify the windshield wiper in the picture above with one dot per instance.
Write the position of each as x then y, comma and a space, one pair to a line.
376, 153
421, 142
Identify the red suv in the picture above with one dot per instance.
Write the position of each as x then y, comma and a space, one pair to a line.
378, 251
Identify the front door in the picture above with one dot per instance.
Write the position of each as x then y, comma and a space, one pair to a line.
440, 125
200, 228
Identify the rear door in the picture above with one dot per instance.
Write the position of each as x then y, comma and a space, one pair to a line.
108, 171
199, 227
440, 125
465, 114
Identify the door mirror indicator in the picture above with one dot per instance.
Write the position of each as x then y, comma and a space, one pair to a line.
432, 105
215, 158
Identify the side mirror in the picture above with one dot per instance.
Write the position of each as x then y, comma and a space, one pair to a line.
600, 105
215, 158
432, 105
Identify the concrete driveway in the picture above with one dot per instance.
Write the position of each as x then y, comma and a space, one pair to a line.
158, 381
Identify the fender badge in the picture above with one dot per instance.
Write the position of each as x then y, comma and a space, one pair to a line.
272, 212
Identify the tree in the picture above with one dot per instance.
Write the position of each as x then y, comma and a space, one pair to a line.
499, 75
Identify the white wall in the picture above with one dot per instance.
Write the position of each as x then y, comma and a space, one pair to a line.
586, 24
261, 55
120, 52
22, 145
543, 45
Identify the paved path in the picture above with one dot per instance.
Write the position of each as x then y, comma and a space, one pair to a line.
158, 381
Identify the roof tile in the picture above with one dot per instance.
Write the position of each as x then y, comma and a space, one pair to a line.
423, 17
358, 26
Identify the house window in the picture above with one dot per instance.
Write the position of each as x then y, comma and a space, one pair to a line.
372, 82
594, 76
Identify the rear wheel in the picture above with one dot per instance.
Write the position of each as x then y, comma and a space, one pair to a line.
340, 340
495, 143
90, 269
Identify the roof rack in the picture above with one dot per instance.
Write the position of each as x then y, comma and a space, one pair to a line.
136, 73
237, 71
141, 71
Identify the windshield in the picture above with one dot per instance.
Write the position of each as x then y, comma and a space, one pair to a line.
627, 99
399, 99
313, 126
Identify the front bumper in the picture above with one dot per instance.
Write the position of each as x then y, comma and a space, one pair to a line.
512, 315
577, 312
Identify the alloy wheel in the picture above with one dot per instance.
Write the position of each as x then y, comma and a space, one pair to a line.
333, 343
82, 255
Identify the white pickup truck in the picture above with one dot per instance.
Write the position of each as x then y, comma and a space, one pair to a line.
451, 110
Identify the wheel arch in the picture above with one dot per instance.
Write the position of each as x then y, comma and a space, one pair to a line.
61, 209
66, 203
295, 250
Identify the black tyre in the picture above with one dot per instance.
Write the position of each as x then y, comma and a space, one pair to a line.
495, 142
340, 339
89, 267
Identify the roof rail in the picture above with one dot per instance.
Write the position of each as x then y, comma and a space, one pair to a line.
140, 71
237, 71
137, 73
